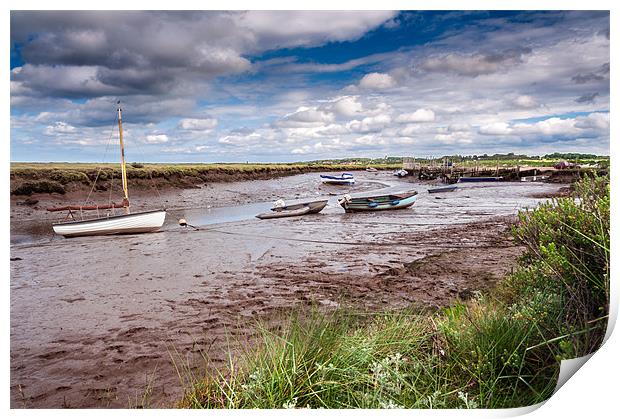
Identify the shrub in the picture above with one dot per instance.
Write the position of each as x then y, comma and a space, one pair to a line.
66, 176
568, 242
41, 186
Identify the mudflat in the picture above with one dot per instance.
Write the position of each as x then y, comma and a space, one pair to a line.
97, 321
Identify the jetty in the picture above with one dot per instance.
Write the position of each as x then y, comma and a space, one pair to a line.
450, 172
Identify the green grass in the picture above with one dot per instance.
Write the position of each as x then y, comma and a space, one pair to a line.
489, 352
466, 357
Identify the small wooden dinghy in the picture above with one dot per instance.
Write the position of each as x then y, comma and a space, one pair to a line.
343, 179
378, 202
449, 188
281, 211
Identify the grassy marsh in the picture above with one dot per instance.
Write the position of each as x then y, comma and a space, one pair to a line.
493, 351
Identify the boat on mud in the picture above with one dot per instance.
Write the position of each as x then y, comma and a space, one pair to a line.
110, 223
343, 179
441, 189
281, 210
392, 201
401, 173
535, 178
480, 179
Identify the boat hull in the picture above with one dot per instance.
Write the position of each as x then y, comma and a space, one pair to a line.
379, 203
442, 189
140, 222
339, 182
344, 179
294, 210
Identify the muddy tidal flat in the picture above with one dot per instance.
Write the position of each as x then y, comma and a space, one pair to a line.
96, 321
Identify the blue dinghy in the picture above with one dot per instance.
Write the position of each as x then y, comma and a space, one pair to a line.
343, 179
378, 202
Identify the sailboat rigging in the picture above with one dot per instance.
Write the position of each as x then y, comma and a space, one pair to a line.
137, 222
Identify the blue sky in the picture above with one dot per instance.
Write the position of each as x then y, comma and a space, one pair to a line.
289, 86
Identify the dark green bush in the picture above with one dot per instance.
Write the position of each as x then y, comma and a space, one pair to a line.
568, 242
66, 176
41, 186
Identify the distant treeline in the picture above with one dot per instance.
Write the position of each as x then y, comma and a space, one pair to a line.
462, 158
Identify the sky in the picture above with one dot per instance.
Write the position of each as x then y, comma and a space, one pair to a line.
265, 86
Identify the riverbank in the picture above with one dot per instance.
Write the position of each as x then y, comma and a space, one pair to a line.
62, 178
106, 335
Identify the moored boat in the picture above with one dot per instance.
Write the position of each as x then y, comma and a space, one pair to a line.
343, 179
441, 189
401, 173
128, 223
140, 222
280, 210
536, 178
480, 179
390, 201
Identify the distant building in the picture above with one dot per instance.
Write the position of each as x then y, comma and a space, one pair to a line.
565, 165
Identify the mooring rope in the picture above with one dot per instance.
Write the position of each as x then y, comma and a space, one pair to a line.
101, 167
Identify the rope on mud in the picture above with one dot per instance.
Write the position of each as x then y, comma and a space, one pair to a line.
361, 243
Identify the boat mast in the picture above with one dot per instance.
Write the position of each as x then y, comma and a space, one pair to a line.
123, 169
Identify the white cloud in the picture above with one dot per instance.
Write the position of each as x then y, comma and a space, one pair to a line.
473, 65
320, 147
548, 127
156, 139
370, 123
369, 140
598, 121
525, 102
203, 124
420, 115
59, 128
332, 129
347, 106
496, 128
377, 81
287, 28
304, 117
409, 130
459, 127
593, 124
458, 137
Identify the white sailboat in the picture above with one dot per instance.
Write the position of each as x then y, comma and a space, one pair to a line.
128, 223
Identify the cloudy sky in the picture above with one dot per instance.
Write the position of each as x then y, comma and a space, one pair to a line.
291, 86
